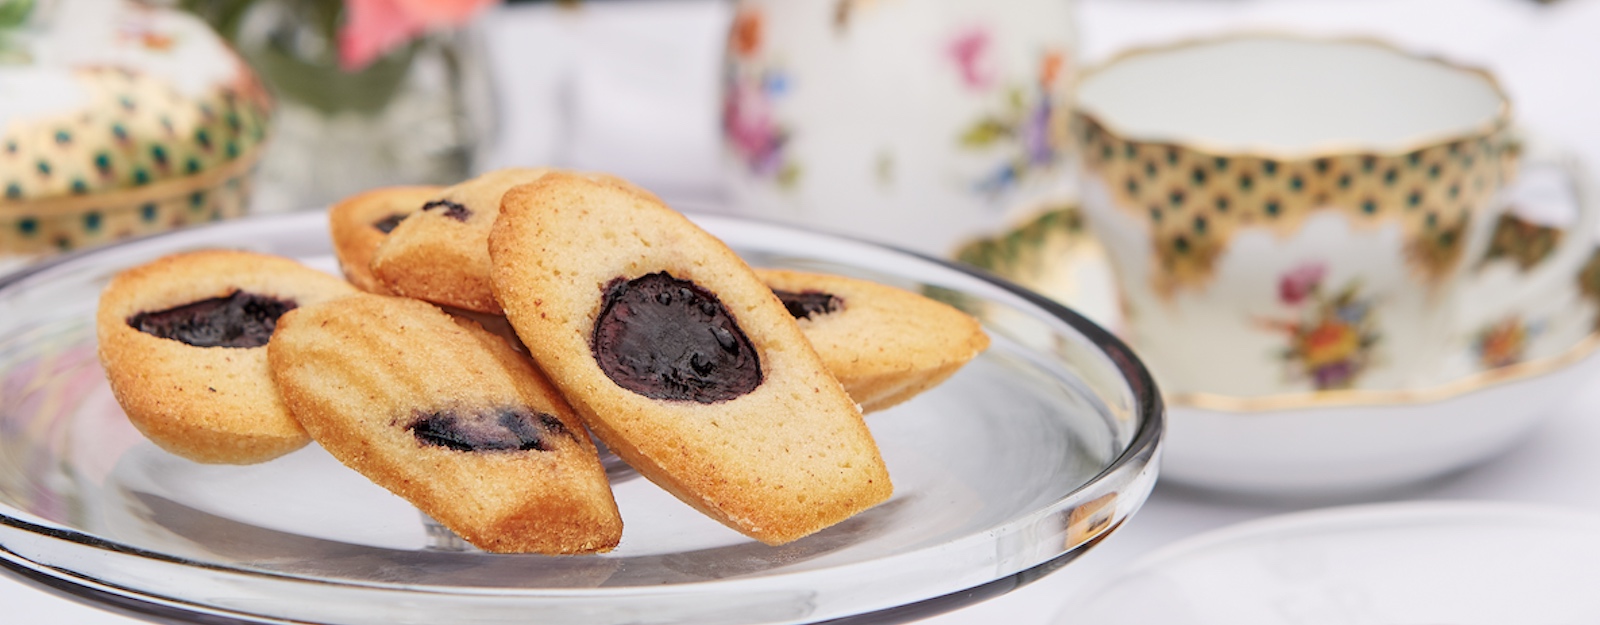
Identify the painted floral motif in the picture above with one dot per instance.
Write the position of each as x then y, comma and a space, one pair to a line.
1522, 242
970, 51
144, 33
751, 87
1333, 339
1299, 283
1030, 128
1503, 343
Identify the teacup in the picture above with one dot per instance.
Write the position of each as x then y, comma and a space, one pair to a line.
1289, 215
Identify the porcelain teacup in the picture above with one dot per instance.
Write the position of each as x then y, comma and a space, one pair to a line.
1289, 215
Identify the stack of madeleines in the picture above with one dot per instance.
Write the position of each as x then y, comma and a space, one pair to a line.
738, 390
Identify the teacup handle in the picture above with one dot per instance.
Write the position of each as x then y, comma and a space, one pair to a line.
1576, 244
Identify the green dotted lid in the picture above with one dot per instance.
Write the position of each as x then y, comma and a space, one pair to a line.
97, 96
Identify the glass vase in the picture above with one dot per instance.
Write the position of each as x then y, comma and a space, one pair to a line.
417, 116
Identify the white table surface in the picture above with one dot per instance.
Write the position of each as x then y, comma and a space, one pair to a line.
564, 72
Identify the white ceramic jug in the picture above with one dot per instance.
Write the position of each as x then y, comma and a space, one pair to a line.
921, 123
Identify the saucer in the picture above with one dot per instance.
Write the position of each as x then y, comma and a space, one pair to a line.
1359, 443
1462, 563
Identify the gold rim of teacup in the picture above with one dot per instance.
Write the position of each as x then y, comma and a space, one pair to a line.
1500, 121
132, 196
1372, 397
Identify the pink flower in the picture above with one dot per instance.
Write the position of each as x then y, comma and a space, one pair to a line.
373, 28
1300, 282
970, 50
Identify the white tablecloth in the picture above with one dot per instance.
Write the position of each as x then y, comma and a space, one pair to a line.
630, 87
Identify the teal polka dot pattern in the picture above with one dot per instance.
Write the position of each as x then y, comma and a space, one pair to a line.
66, 176
135, 124
103, 224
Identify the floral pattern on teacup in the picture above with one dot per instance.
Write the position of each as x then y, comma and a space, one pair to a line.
1028, 126
751, 87
1335, 336
970, 50
1504, 342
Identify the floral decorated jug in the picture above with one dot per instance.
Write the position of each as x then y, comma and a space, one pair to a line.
920, 123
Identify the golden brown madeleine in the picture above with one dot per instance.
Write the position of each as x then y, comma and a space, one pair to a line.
183, 342
446, 415
680, 359
441, 254
360, 223
885, 345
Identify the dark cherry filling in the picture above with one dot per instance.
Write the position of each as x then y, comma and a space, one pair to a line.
388, 224
807, 303
666, 338
238, 320
451, 209
504, 429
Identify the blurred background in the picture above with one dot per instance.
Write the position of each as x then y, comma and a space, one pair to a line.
932, 125
633, 87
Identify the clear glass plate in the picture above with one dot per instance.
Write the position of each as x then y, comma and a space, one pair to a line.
1026, 458
1415, 563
